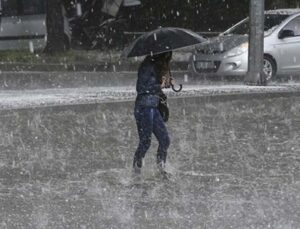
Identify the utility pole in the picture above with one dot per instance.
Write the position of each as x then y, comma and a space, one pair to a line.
255, 74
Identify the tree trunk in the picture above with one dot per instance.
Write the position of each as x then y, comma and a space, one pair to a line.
55, 27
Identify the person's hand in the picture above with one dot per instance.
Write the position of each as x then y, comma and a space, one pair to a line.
172, 81
165, 82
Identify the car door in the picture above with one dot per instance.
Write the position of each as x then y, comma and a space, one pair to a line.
10, 24
22, 24
289, 54
34, 22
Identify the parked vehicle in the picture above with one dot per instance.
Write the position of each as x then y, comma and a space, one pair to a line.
227, 54
23, 25
100, 24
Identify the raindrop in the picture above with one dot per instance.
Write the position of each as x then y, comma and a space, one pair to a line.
221, 46
78, 9
31, 48
186, 78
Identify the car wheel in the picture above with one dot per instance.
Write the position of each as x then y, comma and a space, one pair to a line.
269, 68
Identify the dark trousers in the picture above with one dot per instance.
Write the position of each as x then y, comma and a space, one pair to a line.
149, 120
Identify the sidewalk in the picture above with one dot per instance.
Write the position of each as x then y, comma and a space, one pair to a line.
20, 99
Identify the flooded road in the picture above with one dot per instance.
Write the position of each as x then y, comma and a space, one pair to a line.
234, 163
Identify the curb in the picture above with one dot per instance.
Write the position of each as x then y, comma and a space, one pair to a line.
76, 97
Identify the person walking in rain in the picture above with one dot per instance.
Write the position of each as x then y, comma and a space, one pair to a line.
153, 76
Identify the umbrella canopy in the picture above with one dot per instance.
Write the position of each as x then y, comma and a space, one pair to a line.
162, 40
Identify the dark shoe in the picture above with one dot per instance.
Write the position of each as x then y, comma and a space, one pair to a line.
137, 170
162, 171
137, 165
161, 165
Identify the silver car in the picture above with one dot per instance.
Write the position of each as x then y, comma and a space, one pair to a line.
23, 25
227, 54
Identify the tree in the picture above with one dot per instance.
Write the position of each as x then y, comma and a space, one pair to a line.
55, 27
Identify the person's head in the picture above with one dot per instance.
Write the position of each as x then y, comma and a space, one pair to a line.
163, 57
162, 62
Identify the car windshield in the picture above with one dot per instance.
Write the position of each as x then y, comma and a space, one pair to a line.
271, 22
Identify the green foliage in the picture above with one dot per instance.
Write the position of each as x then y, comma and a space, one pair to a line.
199, 15
18, 56
24, 56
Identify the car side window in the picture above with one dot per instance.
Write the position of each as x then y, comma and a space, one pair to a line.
294, 25
10, 8
22, 7
34, 7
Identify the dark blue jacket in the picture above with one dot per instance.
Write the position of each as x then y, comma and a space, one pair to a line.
148, 84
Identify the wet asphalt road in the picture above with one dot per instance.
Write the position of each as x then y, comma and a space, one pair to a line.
234, 163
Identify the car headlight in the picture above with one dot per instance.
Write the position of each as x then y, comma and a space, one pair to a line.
237, 50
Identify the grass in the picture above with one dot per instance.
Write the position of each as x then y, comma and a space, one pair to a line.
74, 56
71, 56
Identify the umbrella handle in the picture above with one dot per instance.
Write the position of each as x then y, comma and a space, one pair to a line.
172, 85
176, 90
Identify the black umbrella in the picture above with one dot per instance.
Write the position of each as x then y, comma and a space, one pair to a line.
162, 40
